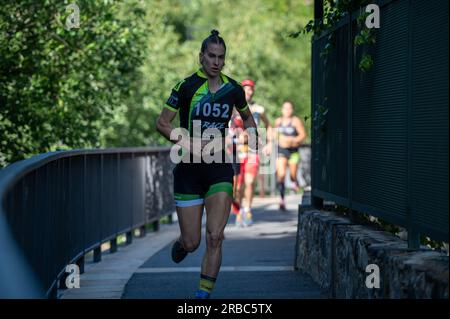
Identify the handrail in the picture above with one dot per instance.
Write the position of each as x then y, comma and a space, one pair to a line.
56, 207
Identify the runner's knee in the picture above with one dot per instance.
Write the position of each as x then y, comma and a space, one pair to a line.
190, 244
214, 239
249, 180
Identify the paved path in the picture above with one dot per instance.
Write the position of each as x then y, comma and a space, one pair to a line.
107, 279
257, 262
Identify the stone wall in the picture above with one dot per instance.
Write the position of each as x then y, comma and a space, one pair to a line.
336, 252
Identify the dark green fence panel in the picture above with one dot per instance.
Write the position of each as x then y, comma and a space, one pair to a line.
380, 107
317, 97
330, 111
382, 146
75, 205
126, 192
110, 193
93, 205
429, 117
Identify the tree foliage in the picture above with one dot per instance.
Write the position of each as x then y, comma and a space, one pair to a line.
334, 12
103, 84
258, 46
60, 87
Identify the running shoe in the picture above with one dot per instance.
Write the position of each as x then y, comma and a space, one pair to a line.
248, 219
238, 221
178, 252
201, 294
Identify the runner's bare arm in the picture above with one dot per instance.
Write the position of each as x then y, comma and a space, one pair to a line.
250, 125
164, 126
301, 131
277, 123
268, 128
247, 118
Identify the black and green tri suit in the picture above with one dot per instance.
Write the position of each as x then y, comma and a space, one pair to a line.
199, 109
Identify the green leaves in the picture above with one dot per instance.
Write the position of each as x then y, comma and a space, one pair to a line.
365, 36
366, 62
334, 11
258, 46
54, 83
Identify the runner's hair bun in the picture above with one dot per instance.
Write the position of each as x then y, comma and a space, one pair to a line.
215, 32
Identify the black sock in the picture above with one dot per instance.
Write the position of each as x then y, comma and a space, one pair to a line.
281, 189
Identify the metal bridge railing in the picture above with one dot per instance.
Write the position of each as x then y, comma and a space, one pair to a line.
57, 207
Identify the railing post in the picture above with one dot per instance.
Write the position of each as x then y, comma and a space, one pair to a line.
129, 236
53, 293
98, 254
133, 195
316, 202
80, 264
318, 9
113, 245
413, 234
142, 231
413, 239
156, 225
